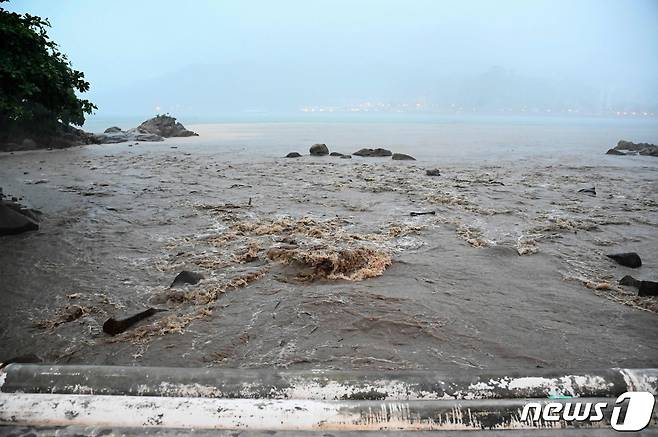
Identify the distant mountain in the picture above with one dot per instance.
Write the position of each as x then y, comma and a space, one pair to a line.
252, 87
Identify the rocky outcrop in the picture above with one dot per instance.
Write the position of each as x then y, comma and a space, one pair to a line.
294, 155
319, 150
165, 126
630, 148
154, 129
61, 137
373, 153
402, 157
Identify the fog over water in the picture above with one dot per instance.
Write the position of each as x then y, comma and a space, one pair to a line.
216, 60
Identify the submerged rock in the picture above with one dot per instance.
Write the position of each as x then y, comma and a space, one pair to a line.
165, 126
186, 277
433, 172
628, 259
294, 155
630, 148
373, 153
403, 157
319, 150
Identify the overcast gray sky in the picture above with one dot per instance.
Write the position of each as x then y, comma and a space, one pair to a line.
216, 57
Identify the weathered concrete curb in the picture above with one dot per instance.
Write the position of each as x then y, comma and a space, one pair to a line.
323, 384
249, 399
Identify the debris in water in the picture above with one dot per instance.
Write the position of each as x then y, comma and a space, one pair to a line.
114, 327
322, 262
65, 315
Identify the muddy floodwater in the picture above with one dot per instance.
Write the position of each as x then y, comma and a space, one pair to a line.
316, 262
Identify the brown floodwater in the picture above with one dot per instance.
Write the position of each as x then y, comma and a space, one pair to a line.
317, 263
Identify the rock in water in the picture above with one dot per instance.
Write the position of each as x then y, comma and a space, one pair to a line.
186, 277
433, 172
373, 153
402, 157
648, 288
645, 288
293, 155
628, 259
630, 281
335, 154
13, 222
345, 156
319, 150
112, 130
630, 148
165, 126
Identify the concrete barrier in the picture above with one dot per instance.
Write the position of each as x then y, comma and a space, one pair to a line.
280, 400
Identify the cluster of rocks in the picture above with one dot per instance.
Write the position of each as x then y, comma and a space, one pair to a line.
323, 150
630, 148
154, 129
61, 137
633, 261
16, 218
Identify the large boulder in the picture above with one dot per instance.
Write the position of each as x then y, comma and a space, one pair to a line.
402, 157
319, 150
165, 126
373, 153
630, 148
12, 221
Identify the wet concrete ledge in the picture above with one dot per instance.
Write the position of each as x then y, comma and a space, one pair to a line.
323, 384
